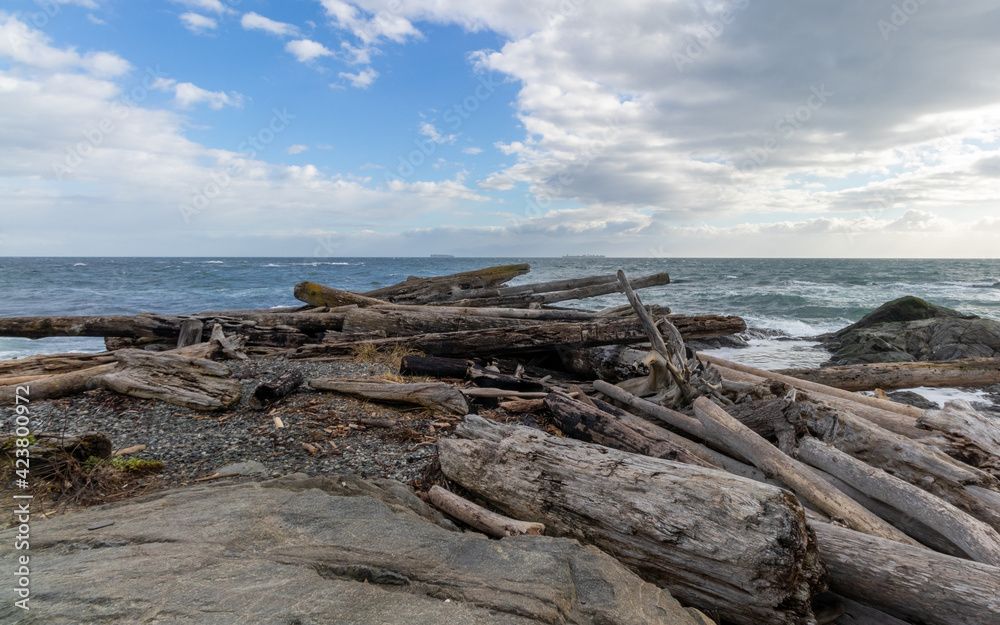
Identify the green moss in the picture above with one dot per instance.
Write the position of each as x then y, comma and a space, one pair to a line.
136, 465
9, 443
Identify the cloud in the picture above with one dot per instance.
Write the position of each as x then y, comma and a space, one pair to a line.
32, 48
197, 23
472, 151
187, 95
362, 79
372, 24
306, 50
253, 21
93, 19
430, 131
212, 6
296, 149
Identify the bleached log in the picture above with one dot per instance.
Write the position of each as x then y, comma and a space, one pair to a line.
888, 376
725, 431
399, 322
190, 333
479, 517
713, 540
437, 288
965, 434
912, 583
596, 290
526, 314
432, 395
194, 383
51, 364
54, 386
977, 539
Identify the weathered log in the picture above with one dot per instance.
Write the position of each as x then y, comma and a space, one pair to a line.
485, 378
524, 300
888, 376
713, 540
619, 431
524, 405
52, 451
51, 364
912, 583
805, 385
274, 388
398, 322
423, 290
965, 434
194, 383
479, 517
545, 314
611, 363
217, 347
54, 386
319, 295
432, 395
539, 338
856, 613
977, 539
434, 367
726, 431
190, 333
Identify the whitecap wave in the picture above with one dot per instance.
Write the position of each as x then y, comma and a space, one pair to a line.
79, 264
215, 262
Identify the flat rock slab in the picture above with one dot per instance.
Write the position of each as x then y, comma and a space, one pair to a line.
313, 550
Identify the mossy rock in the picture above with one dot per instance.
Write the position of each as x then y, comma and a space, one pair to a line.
907, 308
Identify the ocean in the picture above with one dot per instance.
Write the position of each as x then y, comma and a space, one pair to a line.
784, 301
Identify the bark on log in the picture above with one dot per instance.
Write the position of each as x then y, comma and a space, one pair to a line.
965, 434
977, 539
713, 540
479, 517
423, 290
433, 367
618, 431
805, 385
596, 290
269, 391
319, 295
55, 386
726, 431
912, 583
194, 383
432, 395
888, 376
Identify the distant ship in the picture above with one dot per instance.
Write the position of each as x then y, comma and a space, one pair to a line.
583, 255
442, 256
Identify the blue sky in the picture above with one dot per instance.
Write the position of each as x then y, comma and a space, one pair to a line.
502, 127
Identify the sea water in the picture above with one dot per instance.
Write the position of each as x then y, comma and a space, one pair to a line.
784, 301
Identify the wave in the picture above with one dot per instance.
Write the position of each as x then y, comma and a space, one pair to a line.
79, 264
783, 327
215, 262
317, 264
271, 265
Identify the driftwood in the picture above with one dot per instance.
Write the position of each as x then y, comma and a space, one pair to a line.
538, 338
319, 295
441, 288
915, 584
977, 539
51, 364
181, 380
532, 314
274, 388
55, 386
541, 299
486, 378
433, 395
190, 333
433, 367
425, 320
620, 431
888, 376
52, 451
713, 540
479, 517
611, 363
724, 430
965, 434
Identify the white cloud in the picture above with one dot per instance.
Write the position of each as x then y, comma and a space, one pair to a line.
253, 21
372, 24
472, 151
93, 19
296, 149
306, 50
212, 6
32, 48
362, 79
187, 94
430, 131
198, 23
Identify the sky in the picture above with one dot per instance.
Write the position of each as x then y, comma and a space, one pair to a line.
326, 128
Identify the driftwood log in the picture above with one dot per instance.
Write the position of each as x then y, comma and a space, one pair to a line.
914, 584
536, 298
51, 364
433, 395
319, 295
51, 451
965, 434
181, 380
714, 540
888, 376
479, 517
425, 320
55, 386
274, 388
434, 367
442, 288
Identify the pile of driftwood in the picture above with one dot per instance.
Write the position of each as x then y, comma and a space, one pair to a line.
756, 496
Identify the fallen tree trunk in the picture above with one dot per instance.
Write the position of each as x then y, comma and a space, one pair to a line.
627, 433
432, 395
713, 540
611, 363
977, 539
726, 431
888, 376
397, 322
479, 517
543, 314
434, 367
425, 290
536, 338
274, 388
55, 386
194, 383
51, 364
915, 584
596, 290
965, 434
319, 295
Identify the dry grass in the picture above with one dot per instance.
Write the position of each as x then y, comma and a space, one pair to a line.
368, 353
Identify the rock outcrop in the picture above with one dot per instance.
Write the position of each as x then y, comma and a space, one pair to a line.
911, 329
313, 550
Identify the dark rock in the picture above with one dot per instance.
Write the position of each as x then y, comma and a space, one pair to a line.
914, 399
907, 308
312, 550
